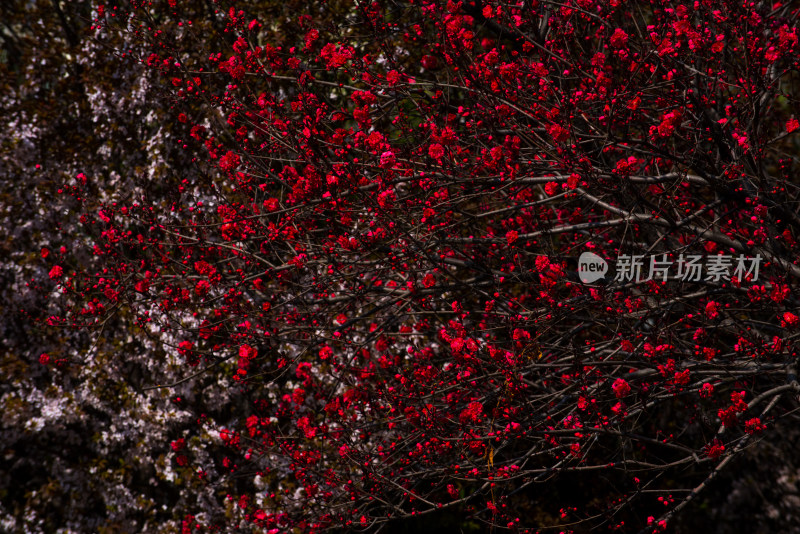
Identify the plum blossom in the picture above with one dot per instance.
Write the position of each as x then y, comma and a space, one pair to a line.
621, 388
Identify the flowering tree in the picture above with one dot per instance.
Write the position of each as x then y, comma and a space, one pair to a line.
375, 275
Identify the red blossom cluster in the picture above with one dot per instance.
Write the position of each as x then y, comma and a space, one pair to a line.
379, 242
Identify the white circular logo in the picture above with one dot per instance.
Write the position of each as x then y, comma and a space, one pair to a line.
591, 267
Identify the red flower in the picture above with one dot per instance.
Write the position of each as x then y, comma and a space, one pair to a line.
682, 377
512, 236
572, 181
542, 263
325, 353
246, 355
558, 133
619, 409
388, 159
520, 334
789, 319
142, 286
621, 388
625, 167
233, 67
714, 449
737, 400
311, 36
619, 39
361, 115
754, 426
229, 161
56, 272
451, 489
304, 424
202, 287
792, 125
436, 151
271, 204
728, 416
429, 62
472, 413
336, 56
712, 309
